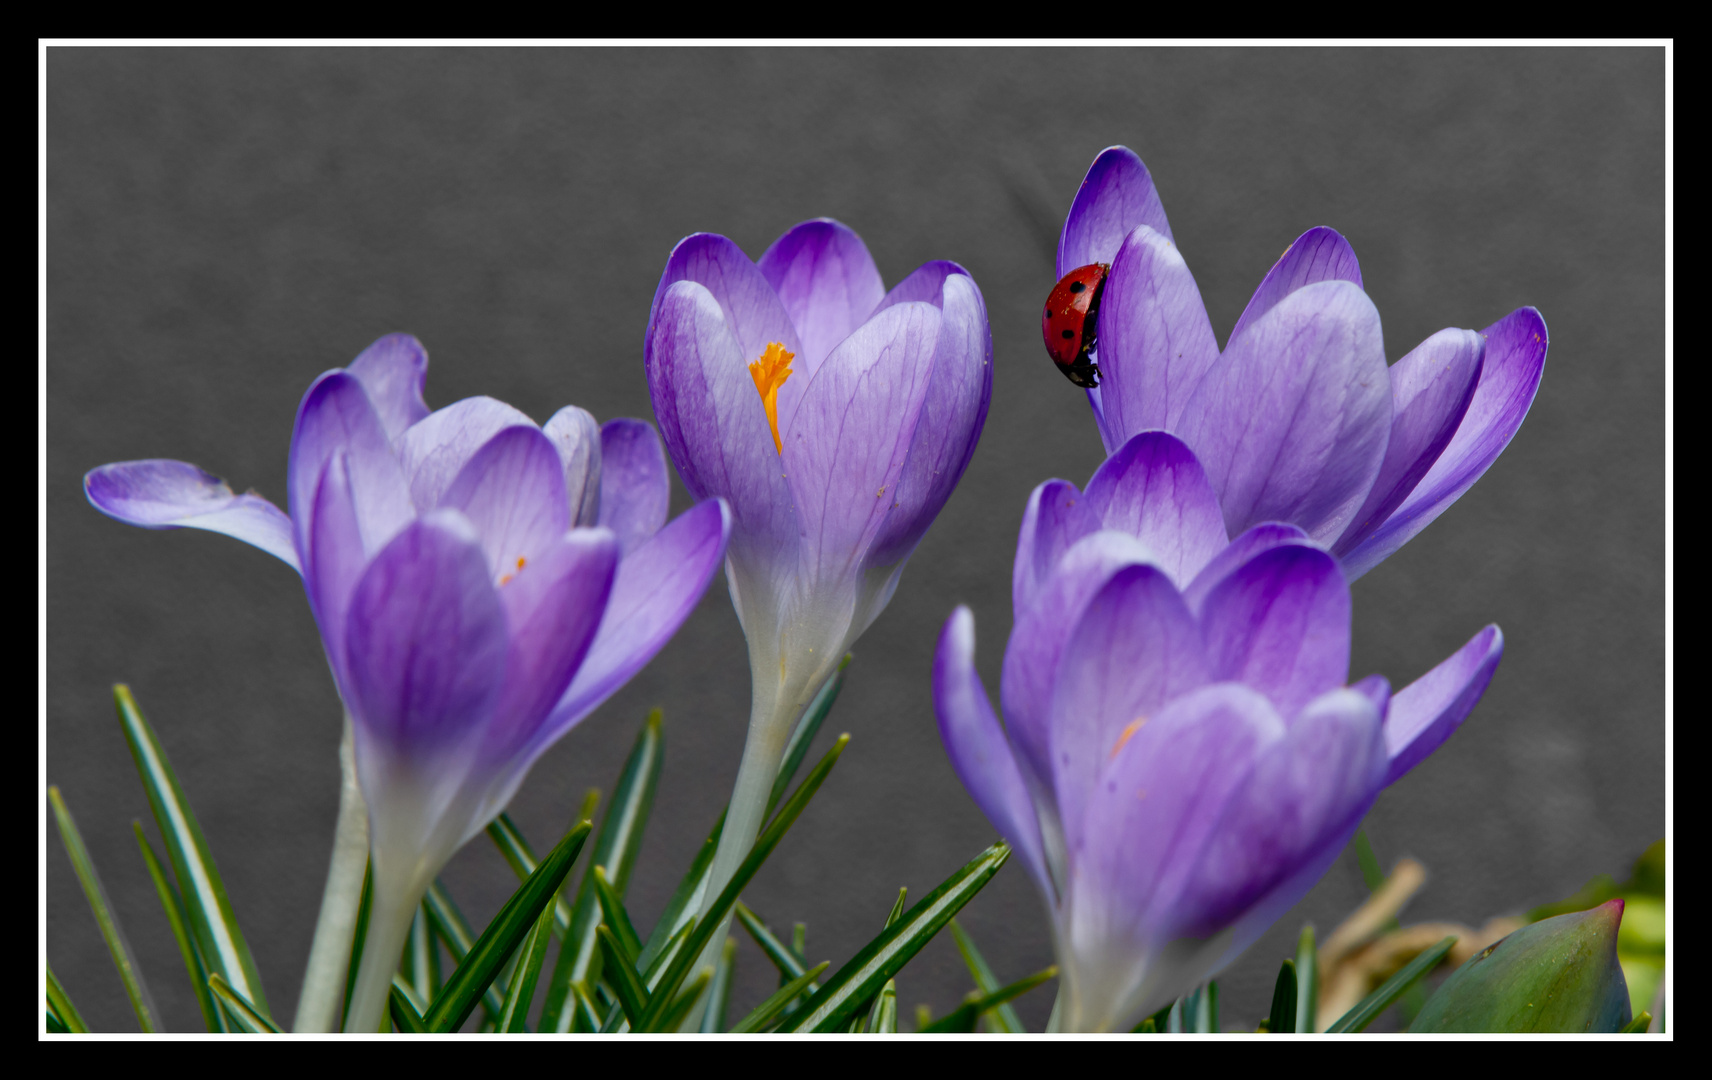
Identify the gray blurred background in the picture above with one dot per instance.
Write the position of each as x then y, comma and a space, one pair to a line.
224, 224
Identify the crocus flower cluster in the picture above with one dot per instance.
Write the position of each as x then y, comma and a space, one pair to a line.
835, 418
481, 583
1298, 419
1181, 759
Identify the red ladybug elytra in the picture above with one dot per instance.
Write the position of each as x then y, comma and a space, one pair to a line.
1069, 321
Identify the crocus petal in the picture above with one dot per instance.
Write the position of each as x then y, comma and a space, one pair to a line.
827, 282
335, 415
746, 301
1430, 391
1057, 516
1320, 254
1154, 489
436, 449
1137, 647
1280, 623
847, 445
715, 425
1263, 537
513, 491
1146, 824
1292, 421
980, 754
925, 283
425, 643
393, 370
576, 436
1302, 788
1155, 341
553, 608
337, 559
634, 490
1377, 689
1509, 376
164, 494
655, 589
1115, 197
959, 386
1041, 636
1427, 711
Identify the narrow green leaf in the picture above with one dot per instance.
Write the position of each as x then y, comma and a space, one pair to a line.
359, 934
1004, 1018
887, 1021
799, 942
463, 991
514, 1015
633, 997
615, 848
719, 997
244, 1016
404, 1014
508, 838
62, 1007
714, 917
784, 958
679, 1010
1371, 873
420, 965
212, 923
837, 1001
588, 1015
872, 1007
1154, 1024
1637, 1026
120, 949
764, 1013
923, 1017
964, 1016
897, 906
402, 985
1281, 1020
798, 746
1307, 982
54, 1025
1377, 1002
617, 920
454, 931
212, 1019
1207, 1010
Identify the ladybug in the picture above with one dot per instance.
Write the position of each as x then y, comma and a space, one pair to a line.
1069, 320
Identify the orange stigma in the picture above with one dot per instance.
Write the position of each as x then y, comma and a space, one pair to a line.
1127, 734
770, 373
507, 577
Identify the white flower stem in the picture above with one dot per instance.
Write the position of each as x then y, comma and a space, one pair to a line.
383, 946
324, 978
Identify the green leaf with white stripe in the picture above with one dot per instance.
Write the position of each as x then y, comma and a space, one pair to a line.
212, 1017
212, 922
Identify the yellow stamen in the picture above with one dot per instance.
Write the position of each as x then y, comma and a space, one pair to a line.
507, 577
770, 373
1127, 734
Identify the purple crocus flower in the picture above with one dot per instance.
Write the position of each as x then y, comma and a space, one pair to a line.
835, 418
1298, 419
481, 583
1181, 759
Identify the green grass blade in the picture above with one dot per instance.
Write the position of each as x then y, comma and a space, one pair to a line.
1307, 982
455, 933
55, 1025
801, 739
615, 918
1371, 874
245, 1017
421, 963
886, 1023
1637, 1026
62, 1007
212, 922
633, 997
1377, 1002
964, 1016
1154, 1024
714, 918
463, 991
212, 1018
120, 949
1281, 1020
588, 1014
719, 997
508, 838
873, 1007
402, 985
764, 1013
403, 1010
615, 847
1207, 1010
1004, 1018
836, 1003
514, 1014
359, 934
788, 962
679, 1010
686, 898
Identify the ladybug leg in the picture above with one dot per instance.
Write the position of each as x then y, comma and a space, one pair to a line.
1083, 374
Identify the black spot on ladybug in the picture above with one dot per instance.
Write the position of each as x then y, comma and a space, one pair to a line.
1077, 286
1067, 334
